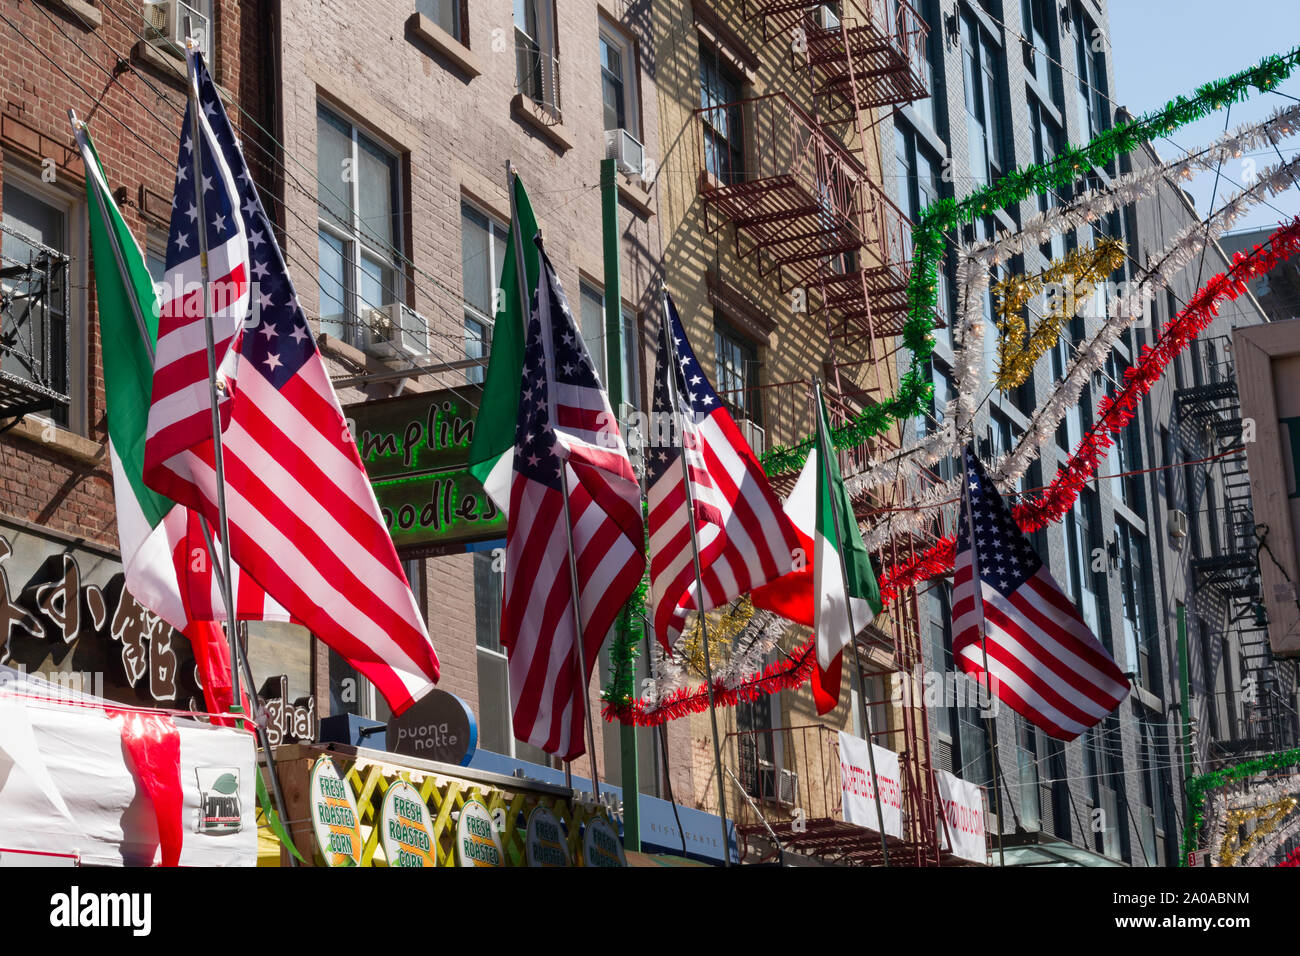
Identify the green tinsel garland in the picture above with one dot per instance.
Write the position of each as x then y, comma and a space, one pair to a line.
626, 648
915, 388
1199, 787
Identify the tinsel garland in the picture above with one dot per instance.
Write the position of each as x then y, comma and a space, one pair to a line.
1018, 348
915, 388
1227, 812
1199, 788
626, 647
1086, 208
1291, 859
1091, 357
1115, 412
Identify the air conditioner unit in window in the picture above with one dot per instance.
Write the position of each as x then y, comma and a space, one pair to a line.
789, 788
398, 331
754, 435
824, 17
166, 20
626, 151
1177, 524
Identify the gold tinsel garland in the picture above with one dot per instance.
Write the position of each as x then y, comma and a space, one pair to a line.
724, 625
1018, 349
1269, 817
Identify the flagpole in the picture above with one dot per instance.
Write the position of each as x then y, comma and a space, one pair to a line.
580, 661
263, 738
990, 724
670, 353
853, 630
196, 160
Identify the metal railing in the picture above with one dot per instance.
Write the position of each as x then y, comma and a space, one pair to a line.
34, 325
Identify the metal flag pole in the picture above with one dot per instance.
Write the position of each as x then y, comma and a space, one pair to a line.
580, 659
214, 387
677, 413
853, 629
990, 724
263, 738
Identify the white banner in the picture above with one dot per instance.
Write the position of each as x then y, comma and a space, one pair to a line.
963, 808
66, 786
859, 787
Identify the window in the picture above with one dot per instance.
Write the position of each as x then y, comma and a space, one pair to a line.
756, 747
593, 334
39, 249
1090, 65
924, 107
737, 373
537, 65
724, 154
482, 251
981, 67
1027, 766
496, 732
1139, 644
1041, 31
618, 93
358, 231
159, 30
445, 13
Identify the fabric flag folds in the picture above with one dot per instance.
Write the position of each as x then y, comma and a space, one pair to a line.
564, 423
822, 513
745, 539
1044, 662
491, 452
303, 518
165, 558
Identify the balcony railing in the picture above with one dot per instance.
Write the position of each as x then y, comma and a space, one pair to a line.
803, 206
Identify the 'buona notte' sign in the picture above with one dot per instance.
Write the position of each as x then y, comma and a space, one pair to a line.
415, 449
439, 726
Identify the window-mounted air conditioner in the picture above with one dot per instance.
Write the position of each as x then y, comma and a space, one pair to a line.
626, 151
166, 20
398, 331
824, 17
754, 435
1177, 524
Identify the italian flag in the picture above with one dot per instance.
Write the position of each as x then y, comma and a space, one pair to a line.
150, 528
815, 594
491, 453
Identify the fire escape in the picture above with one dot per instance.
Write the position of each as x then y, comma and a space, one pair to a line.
1231, 566
794, 185
33, 327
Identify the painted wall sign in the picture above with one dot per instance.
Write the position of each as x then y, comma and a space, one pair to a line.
545, 844
287, 722
404, 828
439, 726
858, 786
477, 843
415, 449
334, 818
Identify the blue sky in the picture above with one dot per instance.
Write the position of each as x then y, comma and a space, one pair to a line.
1161, 48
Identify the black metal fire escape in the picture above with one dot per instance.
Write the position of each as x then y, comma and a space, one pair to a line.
33, 327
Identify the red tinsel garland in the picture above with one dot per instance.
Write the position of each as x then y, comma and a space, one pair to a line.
781, 675
1292, 858
1113, 414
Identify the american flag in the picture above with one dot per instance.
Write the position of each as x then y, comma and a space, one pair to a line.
745, 538
564, 421
303, 518
1045, 663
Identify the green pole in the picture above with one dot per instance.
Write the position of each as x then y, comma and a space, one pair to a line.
614, 382
1184, 695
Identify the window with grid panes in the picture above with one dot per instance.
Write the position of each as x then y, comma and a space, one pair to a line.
982, 70
724, 134
482, 249
737, 371
358, 236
